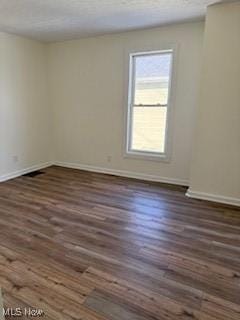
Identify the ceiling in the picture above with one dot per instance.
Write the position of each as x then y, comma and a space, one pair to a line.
57, 20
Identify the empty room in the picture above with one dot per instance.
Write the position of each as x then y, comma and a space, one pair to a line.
120, 159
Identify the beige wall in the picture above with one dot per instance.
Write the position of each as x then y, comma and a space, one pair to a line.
87, 85
69, 99
216, 159
25, 120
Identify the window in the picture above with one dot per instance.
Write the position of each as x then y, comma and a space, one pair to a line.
148, 105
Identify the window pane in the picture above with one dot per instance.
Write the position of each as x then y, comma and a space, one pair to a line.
148, 128
152, 73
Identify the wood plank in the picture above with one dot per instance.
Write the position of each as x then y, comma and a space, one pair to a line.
90, 246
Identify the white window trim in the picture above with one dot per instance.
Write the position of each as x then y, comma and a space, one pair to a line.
146, 155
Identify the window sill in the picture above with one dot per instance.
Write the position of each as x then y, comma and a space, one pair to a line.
147, 156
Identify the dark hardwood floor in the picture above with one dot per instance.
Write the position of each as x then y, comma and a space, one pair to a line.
88, 246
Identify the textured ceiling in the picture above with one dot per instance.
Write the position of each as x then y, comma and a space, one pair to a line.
56, 20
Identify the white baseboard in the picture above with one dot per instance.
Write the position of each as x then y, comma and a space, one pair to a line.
128, 174
213, 197
122, 173
18, 173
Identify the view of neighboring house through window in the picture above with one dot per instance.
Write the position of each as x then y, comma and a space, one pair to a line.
150, 75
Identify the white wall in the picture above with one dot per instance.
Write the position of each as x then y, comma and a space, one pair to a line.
216, 159
87, 85
25, 118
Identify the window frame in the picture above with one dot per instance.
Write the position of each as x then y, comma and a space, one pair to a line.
148, 155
